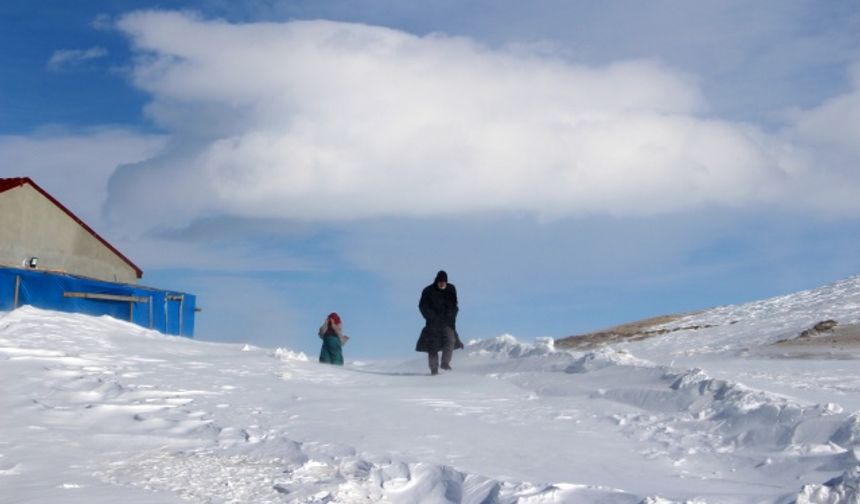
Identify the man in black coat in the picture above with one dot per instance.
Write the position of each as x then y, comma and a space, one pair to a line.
439, 308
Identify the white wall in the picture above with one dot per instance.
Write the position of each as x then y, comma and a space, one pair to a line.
32, 226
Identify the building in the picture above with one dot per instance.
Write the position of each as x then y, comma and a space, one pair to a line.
51, 259
37, 231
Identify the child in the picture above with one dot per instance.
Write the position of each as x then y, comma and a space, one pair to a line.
331, 332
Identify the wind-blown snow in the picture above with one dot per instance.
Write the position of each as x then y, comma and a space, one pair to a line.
98, 410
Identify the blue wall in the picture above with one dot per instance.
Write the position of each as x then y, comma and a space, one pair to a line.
166, 311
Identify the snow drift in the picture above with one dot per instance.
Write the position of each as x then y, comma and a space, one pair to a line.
98, 410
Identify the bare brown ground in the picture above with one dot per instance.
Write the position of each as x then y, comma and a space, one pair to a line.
840, 342
634, 331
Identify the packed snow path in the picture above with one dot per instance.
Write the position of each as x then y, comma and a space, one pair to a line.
96, 410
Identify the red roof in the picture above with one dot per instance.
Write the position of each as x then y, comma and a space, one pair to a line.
11, 183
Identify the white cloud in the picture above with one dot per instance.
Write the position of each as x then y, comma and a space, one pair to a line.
69, 57
320, 120
835, 124
103, 22
75, 166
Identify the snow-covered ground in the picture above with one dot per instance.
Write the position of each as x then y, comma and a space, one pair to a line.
94, 410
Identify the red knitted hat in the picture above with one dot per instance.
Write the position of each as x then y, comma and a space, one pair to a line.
334, 317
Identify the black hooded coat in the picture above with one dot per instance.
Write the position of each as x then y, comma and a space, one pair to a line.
439, 309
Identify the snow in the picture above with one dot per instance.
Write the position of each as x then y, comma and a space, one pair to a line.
97, 410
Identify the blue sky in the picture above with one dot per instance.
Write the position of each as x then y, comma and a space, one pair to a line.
572, 165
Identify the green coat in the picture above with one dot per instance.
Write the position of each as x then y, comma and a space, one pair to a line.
332, 351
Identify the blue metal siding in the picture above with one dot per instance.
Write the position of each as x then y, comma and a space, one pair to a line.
167, 311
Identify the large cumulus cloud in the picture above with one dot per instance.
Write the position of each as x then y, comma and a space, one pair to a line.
317, 120
75, 165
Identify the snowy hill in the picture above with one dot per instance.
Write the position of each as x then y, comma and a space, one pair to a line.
724, 406
736, 327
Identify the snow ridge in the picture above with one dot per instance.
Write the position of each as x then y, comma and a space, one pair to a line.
323, 473
190, 421
507, 353
842, 489
697, 413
